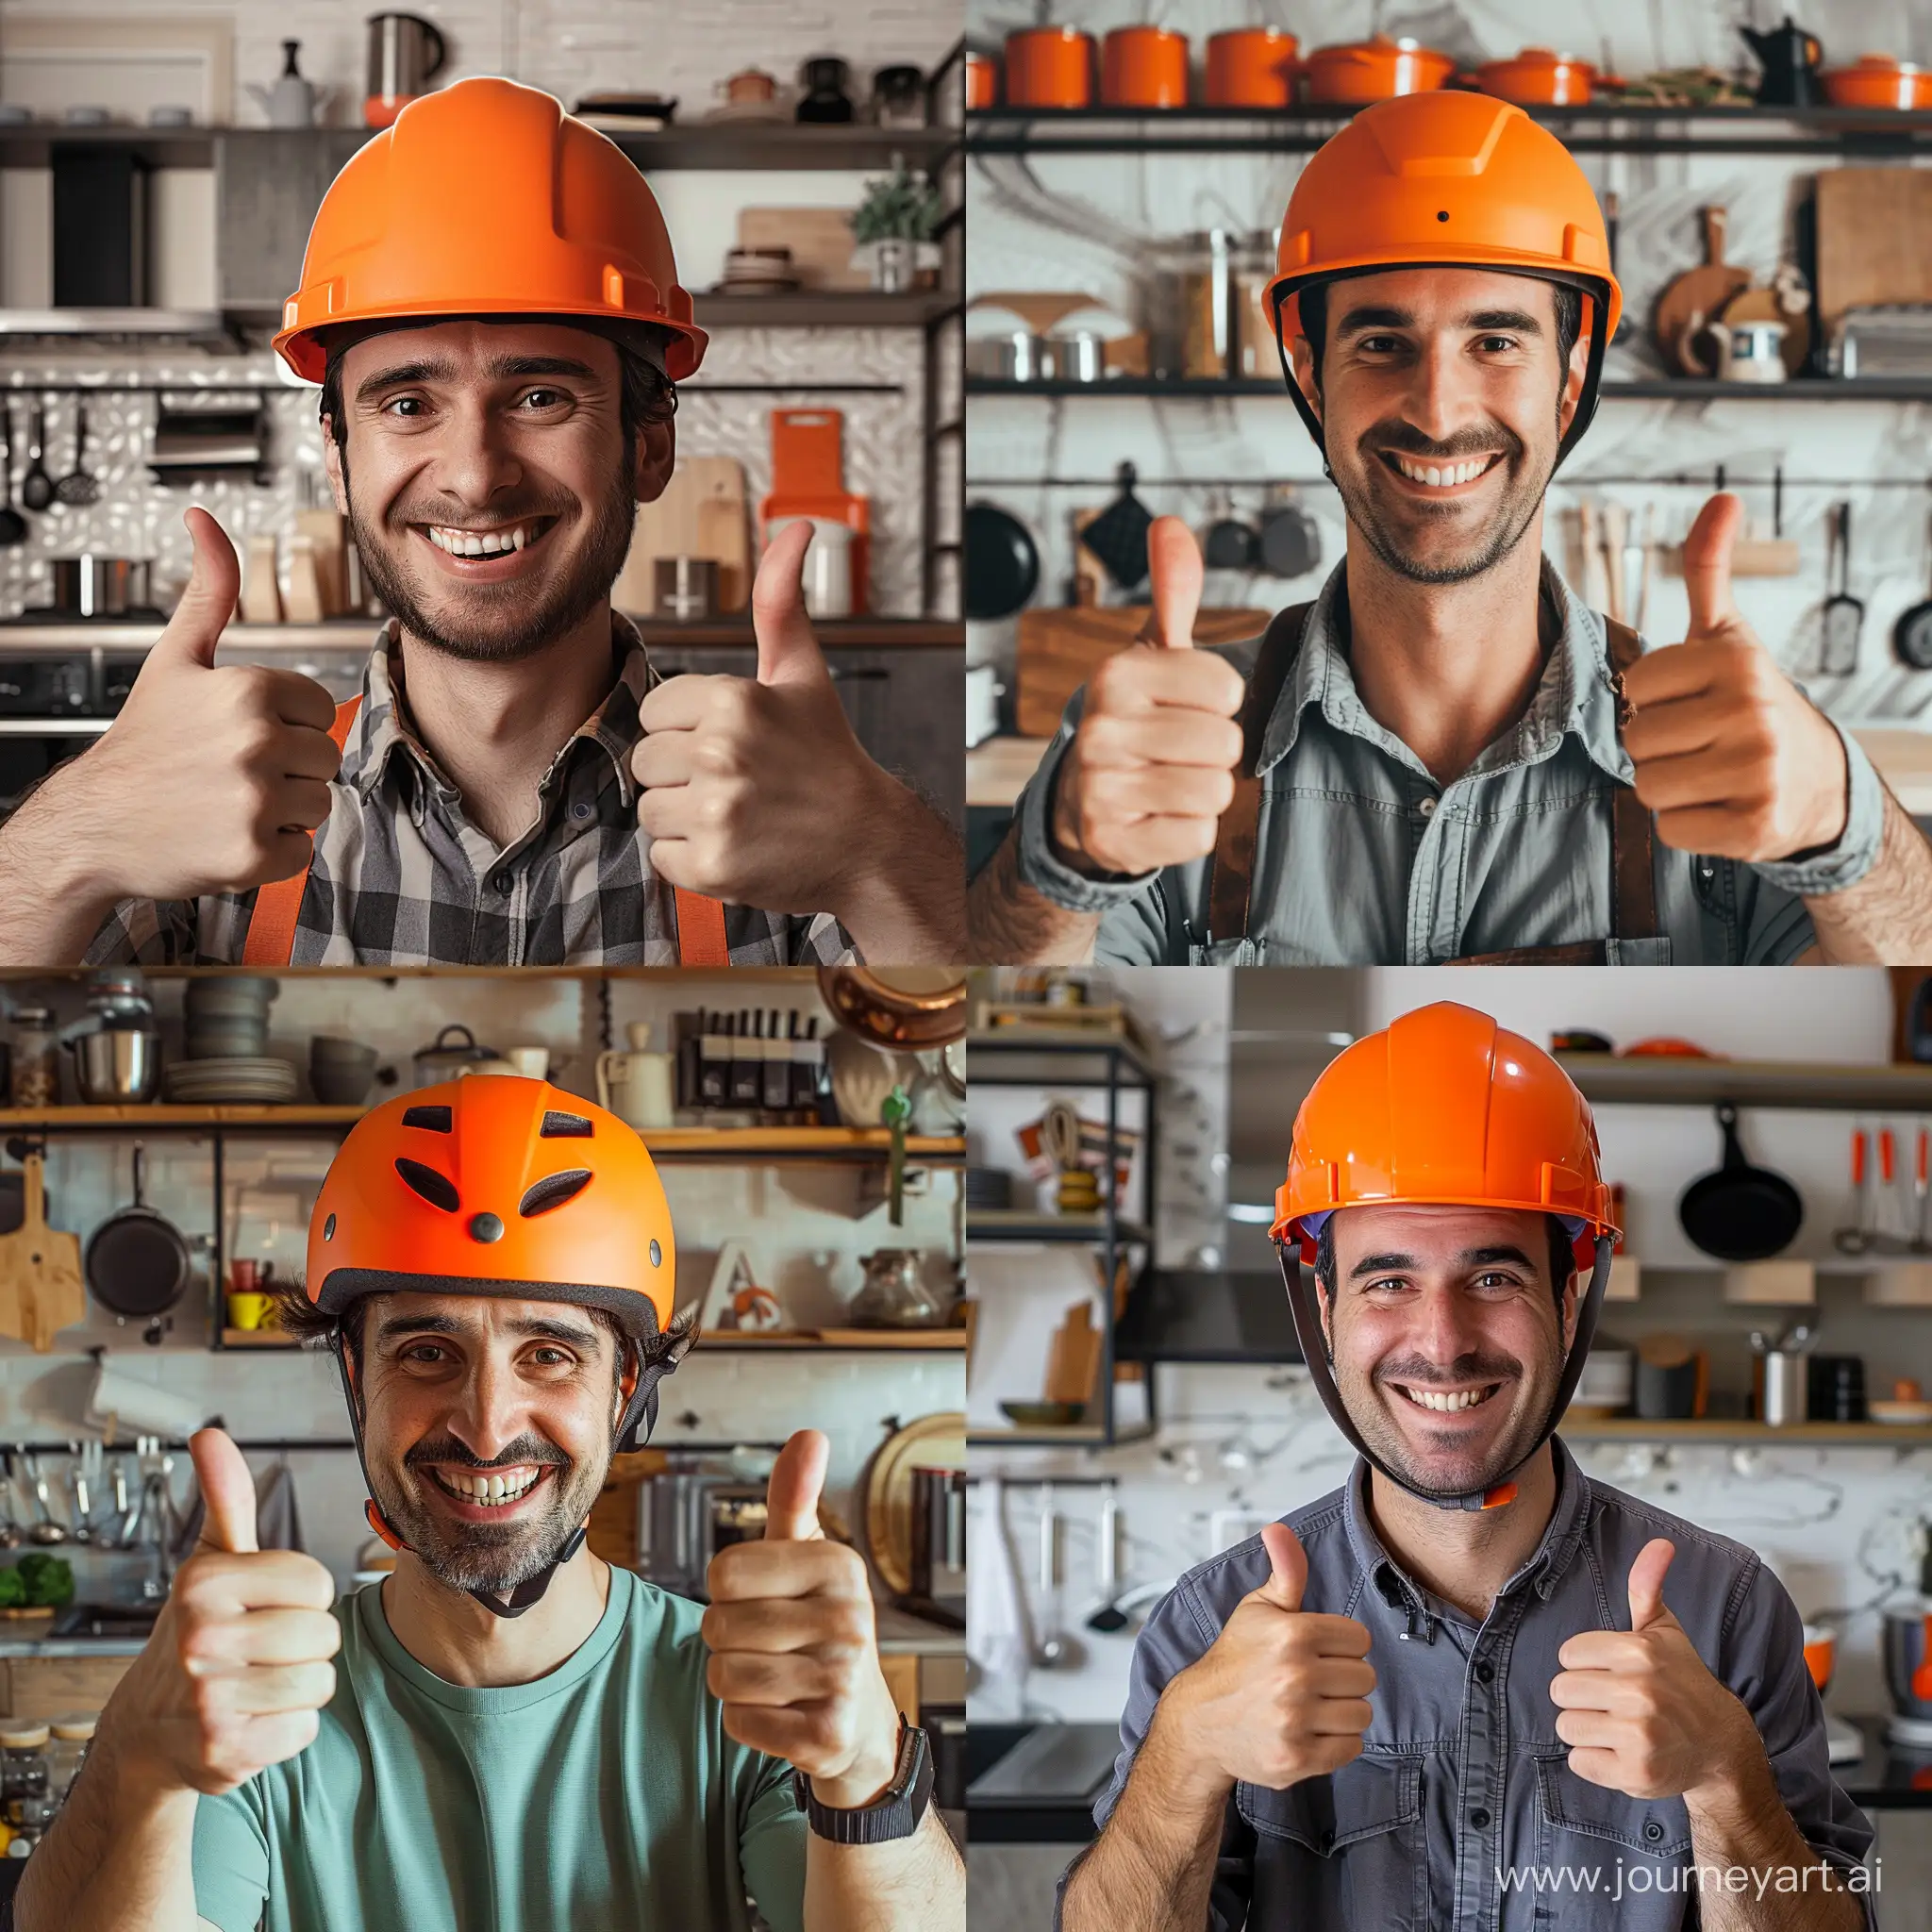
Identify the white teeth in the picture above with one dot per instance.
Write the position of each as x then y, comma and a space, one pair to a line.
480, 543
1438, 477
1448, 1403
1432, 475
488, 1488
519, 537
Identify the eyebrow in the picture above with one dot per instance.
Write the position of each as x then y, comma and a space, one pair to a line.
1359, 320
1404, 1264
535, 1326
498, 368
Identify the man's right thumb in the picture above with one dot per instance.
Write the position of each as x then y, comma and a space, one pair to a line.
228, 1492
209, 602
1288, 1577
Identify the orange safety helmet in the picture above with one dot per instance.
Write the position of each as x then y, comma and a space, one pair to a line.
567, 227
1448, 179
1444, 1109
499, 1185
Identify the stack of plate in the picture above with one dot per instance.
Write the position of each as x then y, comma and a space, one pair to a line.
226, 1016
988, 1188
247, 1082
758, 272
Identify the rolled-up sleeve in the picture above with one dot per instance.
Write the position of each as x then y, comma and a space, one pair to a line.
1856, 851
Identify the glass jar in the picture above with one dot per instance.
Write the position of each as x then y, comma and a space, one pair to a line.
23, 1783
67, 1752
36, 1059
894, 1294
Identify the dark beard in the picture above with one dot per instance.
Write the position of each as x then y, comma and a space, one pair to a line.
563, 608
1379, 1431
487, 1556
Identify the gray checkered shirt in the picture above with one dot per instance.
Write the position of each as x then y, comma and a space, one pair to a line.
402, 878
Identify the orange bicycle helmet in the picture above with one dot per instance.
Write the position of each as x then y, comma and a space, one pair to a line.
498, 1185
1444, 1109
566, 227
1445, 180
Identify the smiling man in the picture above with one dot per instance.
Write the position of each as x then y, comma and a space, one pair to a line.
508, 1733
490, 306
1446, 756
1473, 1686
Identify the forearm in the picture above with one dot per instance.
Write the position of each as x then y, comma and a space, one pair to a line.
915, 1884
906, 904
1007, 922
1783, 1886
119, 1858
50, 908
1886, 918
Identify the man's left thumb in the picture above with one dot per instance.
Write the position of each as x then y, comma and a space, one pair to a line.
787, 650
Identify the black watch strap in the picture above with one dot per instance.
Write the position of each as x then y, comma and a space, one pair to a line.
895, 1813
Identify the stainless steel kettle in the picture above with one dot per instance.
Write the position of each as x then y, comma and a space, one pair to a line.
405, 53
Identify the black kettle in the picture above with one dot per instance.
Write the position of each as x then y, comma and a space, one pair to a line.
1792, 60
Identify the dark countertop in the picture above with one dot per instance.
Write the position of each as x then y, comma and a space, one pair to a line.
1889, 1777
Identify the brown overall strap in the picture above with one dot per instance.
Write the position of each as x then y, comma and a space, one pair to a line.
1231, 869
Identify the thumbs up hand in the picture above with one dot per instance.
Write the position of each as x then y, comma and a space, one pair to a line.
1732, 758
1280, 1695
794, 1655
1639, 1709
755, 790
210, 779
238, 1667
1151, 768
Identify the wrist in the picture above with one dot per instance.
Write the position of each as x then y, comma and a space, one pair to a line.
1191, 1777
71, 856
1738, 1780
902, 897
865, 1781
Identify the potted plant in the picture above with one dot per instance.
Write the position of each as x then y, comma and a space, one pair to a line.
895, 224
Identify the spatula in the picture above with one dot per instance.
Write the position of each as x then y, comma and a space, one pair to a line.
1843, 615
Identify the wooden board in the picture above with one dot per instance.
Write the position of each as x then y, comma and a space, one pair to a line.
1874, 237
42, 1290
1696, 296
701, 513
1059, 649
820, 240
46, 1687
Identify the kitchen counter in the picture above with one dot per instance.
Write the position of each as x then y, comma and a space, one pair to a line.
1887, 1777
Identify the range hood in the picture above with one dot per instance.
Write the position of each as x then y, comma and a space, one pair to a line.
1207, 1315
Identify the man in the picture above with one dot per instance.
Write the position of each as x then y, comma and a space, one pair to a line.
515, 786
1473, 1689
513, 1735
1447, 757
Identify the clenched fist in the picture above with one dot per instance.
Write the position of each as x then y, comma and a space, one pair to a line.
794, 1658
1151, 768
1732, 758
238, 1668
1282, 1694
1639, 1709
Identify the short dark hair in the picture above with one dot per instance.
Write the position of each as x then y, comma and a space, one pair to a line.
1562, 1257
1315, 315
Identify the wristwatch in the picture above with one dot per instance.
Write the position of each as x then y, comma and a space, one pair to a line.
895, 1813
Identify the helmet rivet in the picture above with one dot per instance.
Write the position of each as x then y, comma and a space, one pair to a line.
328, 1229
486, 1227
1441, 214
657, 1255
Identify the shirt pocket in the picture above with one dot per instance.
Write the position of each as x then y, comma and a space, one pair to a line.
1607, 1862
1344, 1851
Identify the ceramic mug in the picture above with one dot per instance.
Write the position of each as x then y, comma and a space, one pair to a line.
245, 1311
531, 1062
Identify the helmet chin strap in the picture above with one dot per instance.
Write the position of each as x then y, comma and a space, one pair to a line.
1303, 1297
640, 1414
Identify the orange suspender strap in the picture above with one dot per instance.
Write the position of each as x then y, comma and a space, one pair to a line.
277, 906
271, 930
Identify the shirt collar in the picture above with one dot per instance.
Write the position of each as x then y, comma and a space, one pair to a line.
1574, 693
382, 730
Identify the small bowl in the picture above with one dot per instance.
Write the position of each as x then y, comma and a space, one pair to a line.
1043, 1415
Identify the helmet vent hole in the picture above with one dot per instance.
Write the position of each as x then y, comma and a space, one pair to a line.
1441, 214
437, 1119
564, 1126
552, 1190
437, 1188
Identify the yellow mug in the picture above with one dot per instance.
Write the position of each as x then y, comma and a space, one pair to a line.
246, 1310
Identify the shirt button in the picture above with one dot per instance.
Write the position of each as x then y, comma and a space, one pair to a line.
1427, 807
1653, 1831
580, 810
503, 882
1479, 1818
1485, 1672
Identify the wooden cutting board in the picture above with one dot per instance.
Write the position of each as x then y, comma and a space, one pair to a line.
41, 1290
1874, 237
1698, 292
1059, 649
701, 513
820, 240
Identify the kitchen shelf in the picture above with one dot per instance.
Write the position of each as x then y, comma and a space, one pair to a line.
1609, 1079
1063, 1044
840, 308
1013, 1225
1741, 1430
259, 1337
1674, 388
1073, 1436
863, 1341
191, 323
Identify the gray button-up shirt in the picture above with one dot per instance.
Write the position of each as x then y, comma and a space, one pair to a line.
1361, 859
1462, 1813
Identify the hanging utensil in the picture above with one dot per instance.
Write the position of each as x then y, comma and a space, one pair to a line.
894, 1111
1921, 1184
83, 1501
1056, 1649
12, 524
1002, 562
1843, 615
1615, 522
1110, 1616
80, 487
10, 1524
1739, 1213
1912, 636
1118, 536
137, 1265
46, 1529
1855, 1238
1885, 1238
37, 487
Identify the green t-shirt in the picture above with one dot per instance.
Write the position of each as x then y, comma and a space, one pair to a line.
606, 1793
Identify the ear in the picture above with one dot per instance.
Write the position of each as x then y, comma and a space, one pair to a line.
1573, 1304
332, 466
657, 458
1574, 377
1303, 359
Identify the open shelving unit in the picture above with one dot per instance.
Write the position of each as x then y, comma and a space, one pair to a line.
1660, 1080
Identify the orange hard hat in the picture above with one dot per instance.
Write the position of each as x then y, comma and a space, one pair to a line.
1450, 180
495, 1184
488, 199
1445, 1108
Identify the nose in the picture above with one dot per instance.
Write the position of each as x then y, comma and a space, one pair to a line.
1441, 397
474, 458
487, 1413
1442, 1328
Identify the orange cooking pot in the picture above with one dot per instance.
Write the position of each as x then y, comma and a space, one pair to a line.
1878, 80
982, 82
1376, 70
1143, 67
1049, 67
1251, 67
1538, 77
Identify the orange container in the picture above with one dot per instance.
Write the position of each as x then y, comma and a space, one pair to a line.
1143, 67
1538, 77
982, 82
1251, 67
1375, 70
1049, 67
1878, 80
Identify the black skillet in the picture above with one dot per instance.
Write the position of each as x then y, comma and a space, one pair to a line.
137, 1261
1912, 636
1739, 1213
1002, 562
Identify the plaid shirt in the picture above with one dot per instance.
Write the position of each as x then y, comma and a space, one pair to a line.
401, 878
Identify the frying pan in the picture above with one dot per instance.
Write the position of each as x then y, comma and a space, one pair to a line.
1844, 613
137, 1261
1002, 562
1912, 636
1739, 1213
